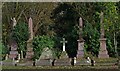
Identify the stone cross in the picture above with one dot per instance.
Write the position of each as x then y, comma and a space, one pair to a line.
30, 24
14, 21
102, 25
63, 43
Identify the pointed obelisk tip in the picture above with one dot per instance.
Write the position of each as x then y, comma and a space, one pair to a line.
80, 22
30, 18
80, 18
101, 12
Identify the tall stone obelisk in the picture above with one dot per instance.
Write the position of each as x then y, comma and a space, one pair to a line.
103, 53
30, 53
80, 51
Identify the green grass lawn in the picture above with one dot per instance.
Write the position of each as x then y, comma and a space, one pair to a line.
60, 67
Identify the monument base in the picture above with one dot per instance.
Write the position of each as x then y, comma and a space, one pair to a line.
63, 61
29, 53
80, 61
64, 55
103, 53
80, 51
80, 54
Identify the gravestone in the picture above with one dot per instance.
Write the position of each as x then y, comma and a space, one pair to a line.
45, 58
63, 60
30, 53
13, 50
80, 51
103, 53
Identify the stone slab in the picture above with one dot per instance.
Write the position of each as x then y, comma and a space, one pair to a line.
81, 62
8, 63
44, 62
62, 62
27, 63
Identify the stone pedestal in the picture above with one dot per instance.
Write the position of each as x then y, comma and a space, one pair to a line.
29, 53
80, 61
63, 61
80, 51
103, 53
13, 54
13, 51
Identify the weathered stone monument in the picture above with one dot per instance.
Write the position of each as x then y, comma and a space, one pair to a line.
103, 53
30, 53
13, 53
80, 51
46, 58
13, 50
63, 59
13, 45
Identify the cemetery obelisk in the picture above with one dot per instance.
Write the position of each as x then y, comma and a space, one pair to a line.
30, 53
80, 51
103, 53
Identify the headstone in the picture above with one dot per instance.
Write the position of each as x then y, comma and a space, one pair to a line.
45, 58
13, 51
46, 54
63, 60
103, 53
30, 53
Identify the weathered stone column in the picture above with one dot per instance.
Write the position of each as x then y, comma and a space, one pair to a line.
103, 53
30, 53
80, 51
